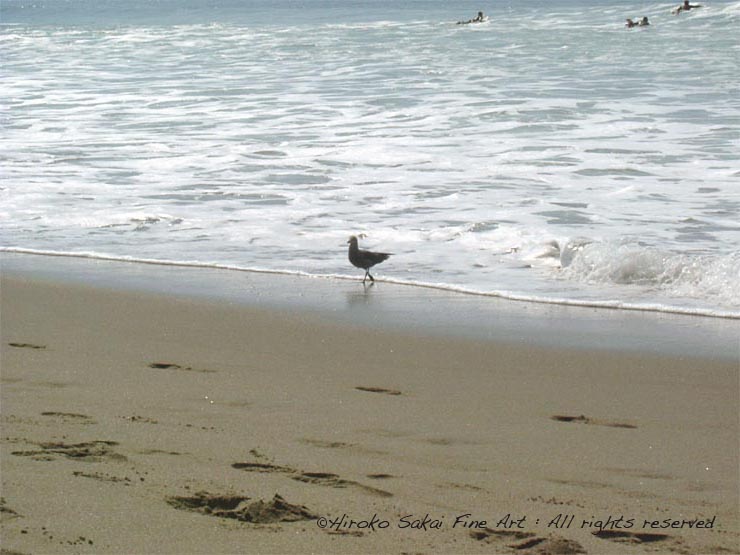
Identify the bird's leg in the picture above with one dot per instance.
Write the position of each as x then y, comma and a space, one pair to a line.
364, 278
371, 277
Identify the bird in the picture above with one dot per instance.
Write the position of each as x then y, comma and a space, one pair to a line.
364, 259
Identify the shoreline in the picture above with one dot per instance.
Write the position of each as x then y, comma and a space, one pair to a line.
402, 307
444, 288
163, 412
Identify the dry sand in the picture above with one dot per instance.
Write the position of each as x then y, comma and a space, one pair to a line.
136, 422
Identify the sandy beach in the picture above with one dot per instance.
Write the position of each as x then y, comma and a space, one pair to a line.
145, 419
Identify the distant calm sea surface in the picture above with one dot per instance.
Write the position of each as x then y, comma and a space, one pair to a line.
547, 154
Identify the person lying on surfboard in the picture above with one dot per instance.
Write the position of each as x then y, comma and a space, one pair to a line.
480, 18
642, 23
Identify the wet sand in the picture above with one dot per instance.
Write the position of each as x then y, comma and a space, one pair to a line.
149, 419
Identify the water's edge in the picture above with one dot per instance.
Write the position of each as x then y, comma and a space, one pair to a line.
605, 304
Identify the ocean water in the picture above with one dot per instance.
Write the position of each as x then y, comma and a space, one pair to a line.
548, 154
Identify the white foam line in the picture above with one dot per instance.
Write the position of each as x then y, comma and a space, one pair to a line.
157, 262
609, 304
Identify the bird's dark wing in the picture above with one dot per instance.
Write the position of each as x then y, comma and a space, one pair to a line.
375, 257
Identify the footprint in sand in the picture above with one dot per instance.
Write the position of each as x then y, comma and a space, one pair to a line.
327, 444
158, 452
140, 419
334, 481
379, 390
582, 419
355, 447
101, 477
92, 451
317, 478
262, 467
27, 346
355, 533
6, 513
238, 508
667, 542
636, 473
69, 417
52, 384
463, 487
172, 366
528, 542
622, 536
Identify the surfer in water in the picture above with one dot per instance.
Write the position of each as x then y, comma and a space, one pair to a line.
642, 23
685, 7
480, 18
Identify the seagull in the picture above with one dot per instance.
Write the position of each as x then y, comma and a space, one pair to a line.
364, 259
